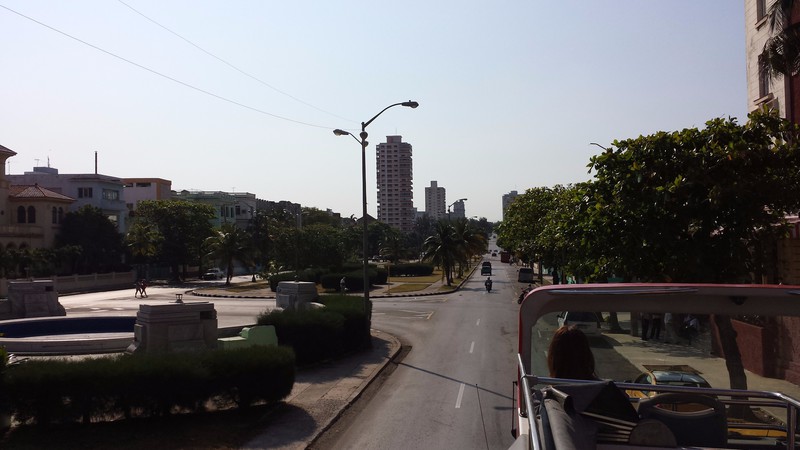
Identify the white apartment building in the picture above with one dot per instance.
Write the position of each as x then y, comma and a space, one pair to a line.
435, 201
395, 182
761, 89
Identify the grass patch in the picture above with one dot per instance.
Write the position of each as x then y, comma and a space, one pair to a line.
407, 287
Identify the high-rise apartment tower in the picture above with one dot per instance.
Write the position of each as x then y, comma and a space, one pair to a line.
395, 182
435, 201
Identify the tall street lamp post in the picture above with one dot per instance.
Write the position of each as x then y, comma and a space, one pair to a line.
363, 141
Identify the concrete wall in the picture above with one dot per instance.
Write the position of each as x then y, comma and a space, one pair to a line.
84, 283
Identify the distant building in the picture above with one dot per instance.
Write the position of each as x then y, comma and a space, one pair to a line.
138, 189
395, 182
458, 211
761, 89
507, 199
223, 203
30, 215
101, 191
435, 201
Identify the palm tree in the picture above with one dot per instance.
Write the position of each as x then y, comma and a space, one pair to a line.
143, 241
227, 245
442, 249
781, 55
470, 242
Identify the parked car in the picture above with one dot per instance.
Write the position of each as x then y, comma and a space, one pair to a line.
214, 274
525, 275
670, 378
588, 322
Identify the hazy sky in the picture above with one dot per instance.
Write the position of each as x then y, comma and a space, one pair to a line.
244, 95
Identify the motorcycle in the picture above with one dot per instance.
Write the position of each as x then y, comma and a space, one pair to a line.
488, 285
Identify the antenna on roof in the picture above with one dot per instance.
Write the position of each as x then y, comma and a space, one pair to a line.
37, 161
95, 162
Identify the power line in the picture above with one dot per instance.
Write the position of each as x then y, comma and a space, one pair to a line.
155, 72
231, 65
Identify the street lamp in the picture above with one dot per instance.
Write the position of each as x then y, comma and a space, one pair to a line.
451, 204
363, 142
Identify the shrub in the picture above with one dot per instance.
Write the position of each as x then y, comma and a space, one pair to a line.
412, 270
314, 334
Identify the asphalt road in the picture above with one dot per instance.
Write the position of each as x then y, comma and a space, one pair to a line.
453, 387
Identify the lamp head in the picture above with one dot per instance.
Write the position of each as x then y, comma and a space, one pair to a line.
410, 104
339, 132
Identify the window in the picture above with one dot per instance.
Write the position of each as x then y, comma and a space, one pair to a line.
84, 192
763, 78
142, 184
761, 9
31, 214
60, 215
21, 214
110, 194
55, 215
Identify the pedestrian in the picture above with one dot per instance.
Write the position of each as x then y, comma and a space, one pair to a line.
138, 289
690, 328
669, 330
655, 326
556, 280
143, 287
645, 317
343, 285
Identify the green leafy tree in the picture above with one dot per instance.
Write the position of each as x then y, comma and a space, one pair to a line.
98, 238
697, 205
184, 227
781, 54
143, 241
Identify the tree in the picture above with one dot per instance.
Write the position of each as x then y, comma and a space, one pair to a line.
98, 238
696, 205
143, 241
227, 245
781, 54
441, 249
469, 242
184, 226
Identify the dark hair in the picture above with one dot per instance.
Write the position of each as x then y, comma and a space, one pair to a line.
570, 356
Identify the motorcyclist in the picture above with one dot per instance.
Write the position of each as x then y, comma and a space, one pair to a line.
488, 284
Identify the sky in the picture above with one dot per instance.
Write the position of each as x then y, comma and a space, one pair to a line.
243, 95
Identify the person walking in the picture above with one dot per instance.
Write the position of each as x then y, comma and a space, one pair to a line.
138, 289
645, 317
669, 330
143, 287
655, 326
343, 285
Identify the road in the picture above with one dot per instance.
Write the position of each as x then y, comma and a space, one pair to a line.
453, 388
230, 311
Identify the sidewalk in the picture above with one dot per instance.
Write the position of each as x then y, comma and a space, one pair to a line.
320, 395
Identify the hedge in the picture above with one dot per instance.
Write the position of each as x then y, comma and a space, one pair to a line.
62, 391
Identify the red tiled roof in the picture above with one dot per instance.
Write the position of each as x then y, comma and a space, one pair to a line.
34, 192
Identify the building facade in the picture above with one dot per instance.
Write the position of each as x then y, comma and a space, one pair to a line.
30, 215
395, 183
435, 201
458, 211
761, 89
138, 189
92, 189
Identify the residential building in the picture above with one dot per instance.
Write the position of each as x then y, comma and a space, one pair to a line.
223, 203
507, 199
30, 215
458, 210
244, 208
100, 191
138, 189
761, 89
435, 201
286, 207
395, 182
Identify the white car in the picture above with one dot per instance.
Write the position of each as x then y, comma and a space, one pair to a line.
587, 322
214, 274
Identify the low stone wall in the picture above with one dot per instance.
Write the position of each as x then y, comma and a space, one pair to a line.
84, 283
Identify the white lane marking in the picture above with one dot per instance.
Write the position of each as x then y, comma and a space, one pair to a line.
472, 347
478, 322
460, 396
429, 315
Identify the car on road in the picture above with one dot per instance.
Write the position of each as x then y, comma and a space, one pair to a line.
213, 274
486, 268
667, 377
588, 322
